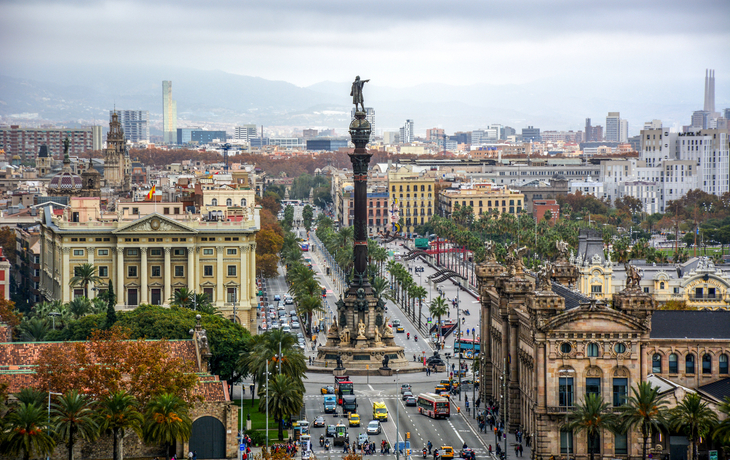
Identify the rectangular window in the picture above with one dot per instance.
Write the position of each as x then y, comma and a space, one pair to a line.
166, 210
132, 252
78, 252
103, 271
179, 271
179, 252
155, 252
207, 270
78, 293
103, 252
132, 271
207, 252
566, 442
621, 444
209, 293
596, 289
231, 295
566, 391
231, 270
620, 388
231, 251
156, 271
593, 386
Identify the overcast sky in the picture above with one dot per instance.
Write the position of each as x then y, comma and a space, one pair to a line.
394, 42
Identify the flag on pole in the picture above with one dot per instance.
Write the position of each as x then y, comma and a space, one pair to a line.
152, 192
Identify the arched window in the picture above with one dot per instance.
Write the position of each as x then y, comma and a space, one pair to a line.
243, 202
229, 202
673, 364
592, 350
723, 364
689, 364
661, 285
656, 364
214, 202
706, 364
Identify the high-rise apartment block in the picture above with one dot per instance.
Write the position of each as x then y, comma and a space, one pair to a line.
406, 133
135, 123
169, 114
613, 127
434, 134
244, 133
531, 134
26, 142
709, 105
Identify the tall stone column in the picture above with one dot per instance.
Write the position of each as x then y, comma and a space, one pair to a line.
168, 283
121, 295
66, 264
90, 260
220, 276
143, 275
245, 288
252, 277
191, 269
360, 158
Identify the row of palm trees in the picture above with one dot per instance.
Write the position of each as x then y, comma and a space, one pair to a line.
26, 429
646, 410
405, 290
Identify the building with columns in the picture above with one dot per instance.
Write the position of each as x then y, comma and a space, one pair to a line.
148, 255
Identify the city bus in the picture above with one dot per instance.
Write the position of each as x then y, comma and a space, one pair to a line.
468, 347
304, 246
343, 386
433, 405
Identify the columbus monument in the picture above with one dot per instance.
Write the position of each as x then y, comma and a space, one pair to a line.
360, 336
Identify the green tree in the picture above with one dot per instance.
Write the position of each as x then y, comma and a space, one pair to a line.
183, 298
83, 275
437, 309
34, 329
119, 412
30, 395
27, 432
722, 431
79, 306
286, 399
645, 409
694, 418
73, 415
308, 306
167, 421
593, 416
111, 301
307, 215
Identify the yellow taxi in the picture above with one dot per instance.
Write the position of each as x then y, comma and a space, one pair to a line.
399, 329
440, 389
447, 452
353, 419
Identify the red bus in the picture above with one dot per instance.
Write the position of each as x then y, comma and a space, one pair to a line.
433, 405
343, 386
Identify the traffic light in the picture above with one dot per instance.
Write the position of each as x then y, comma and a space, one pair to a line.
408, 435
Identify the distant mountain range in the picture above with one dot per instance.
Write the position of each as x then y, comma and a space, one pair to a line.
219, 97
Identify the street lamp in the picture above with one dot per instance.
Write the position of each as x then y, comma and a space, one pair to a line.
53, 315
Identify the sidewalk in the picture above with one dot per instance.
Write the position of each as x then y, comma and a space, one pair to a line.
490, 437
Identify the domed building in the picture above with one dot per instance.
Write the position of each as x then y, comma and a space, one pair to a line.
66, 182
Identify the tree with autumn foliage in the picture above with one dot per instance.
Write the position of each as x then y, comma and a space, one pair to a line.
109, 363
269, 242
8, 314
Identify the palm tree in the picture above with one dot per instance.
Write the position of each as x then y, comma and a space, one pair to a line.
308, 305
182, 297
73, 414
167, 421
592, 416
34, 329
286, 398
438, 308
694, 418
83, 275
381, 289
420, 293
646, 409
98, 306
30, 395
722, 431
79, 306
27, 431
118, 413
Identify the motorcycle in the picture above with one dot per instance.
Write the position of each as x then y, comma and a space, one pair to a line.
327, 445
321, 441
408, 336
425, 452
415, 338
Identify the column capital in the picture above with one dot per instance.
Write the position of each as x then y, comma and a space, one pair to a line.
143, 249
167, 249
219, 248
66, 249
120, 249
90, 249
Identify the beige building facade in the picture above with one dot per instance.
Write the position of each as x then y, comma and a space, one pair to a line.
482, 198
148, 256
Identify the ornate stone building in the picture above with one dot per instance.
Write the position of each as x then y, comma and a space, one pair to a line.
147, 256
546, 346
117, 164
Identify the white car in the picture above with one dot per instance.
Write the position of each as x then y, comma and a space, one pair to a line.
374, 427
295, 325
286, 328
